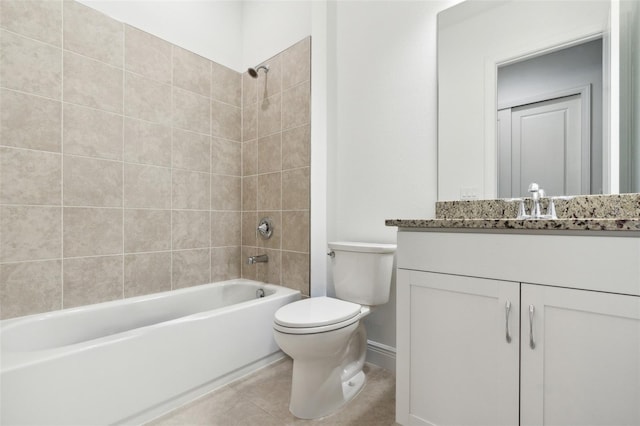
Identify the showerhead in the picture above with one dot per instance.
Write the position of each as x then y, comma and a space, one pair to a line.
253, 72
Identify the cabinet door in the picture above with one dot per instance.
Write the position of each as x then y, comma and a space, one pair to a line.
581, 362
461, 368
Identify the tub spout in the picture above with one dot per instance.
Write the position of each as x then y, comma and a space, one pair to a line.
263, 258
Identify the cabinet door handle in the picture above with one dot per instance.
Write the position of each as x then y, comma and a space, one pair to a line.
507, 310
532, 343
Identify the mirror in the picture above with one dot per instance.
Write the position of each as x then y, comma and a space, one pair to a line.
476, 39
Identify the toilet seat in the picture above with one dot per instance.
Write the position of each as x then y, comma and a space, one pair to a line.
317, 315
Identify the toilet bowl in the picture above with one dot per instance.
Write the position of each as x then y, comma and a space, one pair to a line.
326, 336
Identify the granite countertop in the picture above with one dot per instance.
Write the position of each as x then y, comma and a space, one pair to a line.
578, 213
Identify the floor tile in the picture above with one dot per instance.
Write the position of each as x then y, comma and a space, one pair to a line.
262, 398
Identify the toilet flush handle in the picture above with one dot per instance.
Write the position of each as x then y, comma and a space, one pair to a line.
331, 254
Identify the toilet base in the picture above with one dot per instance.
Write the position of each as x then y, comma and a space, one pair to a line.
352, 387
315, 399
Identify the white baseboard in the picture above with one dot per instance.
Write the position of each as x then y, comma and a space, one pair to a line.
381, 355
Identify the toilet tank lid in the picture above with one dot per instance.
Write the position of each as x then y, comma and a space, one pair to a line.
363, 247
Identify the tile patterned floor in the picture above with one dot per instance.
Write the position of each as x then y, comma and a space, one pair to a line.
262, 399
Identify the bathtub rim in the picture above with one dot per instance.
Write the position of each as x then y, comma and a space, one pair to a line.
11, 360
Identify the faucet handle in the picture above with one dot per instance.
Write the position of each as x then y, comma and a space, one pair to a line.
522, 211
533, 187
551, 209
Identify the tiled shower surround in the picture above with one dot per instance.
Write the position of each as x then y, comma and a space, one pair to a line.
121, 162
275, 167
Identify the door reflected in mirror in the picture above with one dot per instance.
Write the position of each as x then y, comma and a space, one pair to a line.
549, 127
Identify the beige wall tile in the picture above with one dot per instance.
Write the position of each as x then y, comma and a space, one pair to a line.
270, 272
270, 191
250, 122
191, 151
147, 55
269, 115
92, 132
295, 189
29, 177
147, 99
270, 153
250, 158
28, 121
296, 106
270, 83
146, 142
225, 193
249, 89
226, 84
191, 111
92, 231
91, 280
30, 66
190, 267
250, 193
249, 228
30, 233
296, 147
295, 231
147, 273
190, 229
226, 157
191, 72
92, 182
276, 237
296, 63
92, 33
147, 230
225, 228
40, 19
190, 190
295, 271
92, 83
29, 288
225, 263
226, 121
147, 187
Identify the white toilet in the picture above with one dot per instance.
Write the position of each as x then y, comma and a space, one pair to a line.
325, 336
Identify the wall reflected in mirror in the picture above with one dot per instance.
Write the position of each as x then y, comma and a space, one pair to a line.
487, 48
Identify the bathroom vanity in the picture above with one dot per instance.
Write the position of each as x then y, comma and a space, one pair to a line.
507, 322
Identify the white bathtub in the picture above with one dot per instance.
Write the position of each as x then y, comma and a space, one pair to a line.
131, 360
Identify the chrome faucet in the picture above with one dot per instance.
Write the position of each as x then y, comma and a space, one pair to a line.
263, 258
537, 194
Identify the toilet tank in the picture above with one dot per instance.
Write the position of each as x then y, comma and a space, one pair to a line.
362, 271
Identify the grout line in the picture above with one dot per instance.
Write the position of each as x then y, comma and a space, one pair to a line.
211, 168
62, 42
48, 259
242, 171
122, 155
281, 170
36, 95
171, 173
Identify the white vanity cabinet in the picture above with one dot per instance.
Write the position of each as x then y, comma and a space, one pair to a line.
580, 357
471, 352
462, 370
